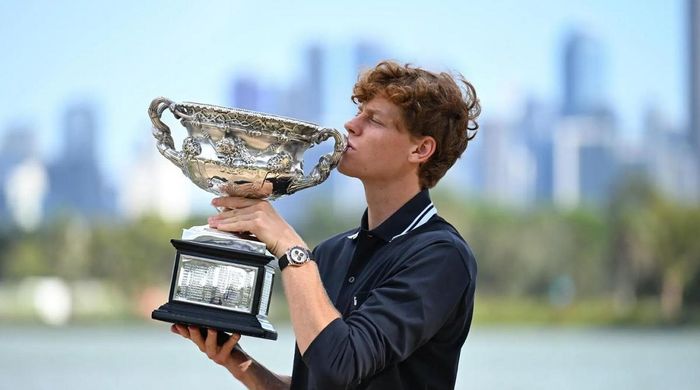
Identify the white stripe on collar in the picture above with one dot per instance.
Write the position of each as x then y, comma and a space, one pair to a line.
421, 219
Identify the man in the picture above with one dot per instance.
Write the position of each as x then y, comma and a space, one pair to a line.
387, 305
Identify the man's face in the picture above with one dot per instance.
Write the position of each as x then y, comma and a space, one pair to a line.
378, 144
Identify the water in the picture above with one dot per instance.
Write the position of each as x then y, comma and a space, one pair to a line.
149, 357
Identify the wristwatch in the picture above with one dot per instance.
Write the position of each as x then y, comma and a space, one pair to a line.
295, 256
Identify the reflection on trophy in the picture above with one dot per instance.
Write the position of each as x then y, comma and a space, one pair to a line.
221, 280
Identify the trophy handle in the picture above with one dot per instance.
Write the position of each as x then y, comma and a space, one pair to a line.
161, 131
325, 164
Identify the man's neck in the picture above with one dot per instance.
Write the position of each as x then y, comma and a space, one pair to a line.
384, 199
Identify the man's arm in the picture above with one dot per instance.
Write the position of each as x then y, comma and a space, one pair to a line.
310, 308
230, 355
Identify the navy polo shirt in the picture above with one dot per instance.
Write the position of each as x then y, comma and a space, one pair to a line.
405, 291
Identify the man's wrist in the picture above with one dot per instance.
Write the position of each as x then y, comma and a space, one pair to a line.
286, 241
296, 256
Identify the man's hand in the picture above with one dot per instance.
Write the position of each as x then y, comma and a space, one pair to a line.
232, 356
229, 355
257, 217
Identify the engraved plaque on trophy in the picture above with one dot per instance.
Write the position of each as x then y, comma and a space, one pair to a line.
221, 280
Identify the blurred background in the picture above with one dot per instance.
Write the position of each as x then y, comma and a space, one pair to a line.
580, 194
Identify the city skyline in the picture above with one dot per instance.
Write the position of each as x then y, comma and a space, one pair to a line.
77, 55
577, 36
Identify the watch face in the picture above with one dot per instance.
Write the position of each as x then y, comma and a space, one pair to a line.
298, 255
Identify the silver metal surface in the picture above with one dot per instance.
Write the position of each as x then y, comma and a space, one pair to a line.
230, 151
215, 283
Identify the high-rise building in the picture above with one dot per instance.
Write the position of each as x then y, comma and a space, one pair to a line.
314, 82
303, 99
583, 72
585, 161
245, 93
155, 186
22, 180
536, 124
507, 164
670, 161
9, 158
694, 73
75, 182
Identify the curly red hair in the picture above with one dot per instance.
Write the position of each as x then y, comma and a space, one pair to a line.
439, 105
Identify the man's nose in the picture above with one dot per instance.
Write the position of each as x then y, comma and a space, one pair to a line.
352, 126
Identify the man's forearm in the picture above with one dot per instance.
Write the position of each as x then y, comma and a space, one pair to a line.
256, 376
310, 308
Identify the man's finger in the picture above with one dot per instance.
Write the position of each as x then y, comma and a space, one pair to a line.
236, 226
210, 343
196, 337
181, 330
230, 344
233, 202
241, 217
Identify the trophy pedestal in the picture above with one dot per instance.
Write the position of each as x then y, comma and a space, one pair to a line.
218, 287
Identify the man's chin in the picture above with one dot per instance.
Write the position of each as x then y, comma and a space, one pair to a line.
344, 170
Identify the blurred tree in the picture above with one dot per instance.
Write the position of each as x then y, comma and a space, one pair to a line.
631, 253
642, 246
323, 222
677, 249
134, 256
527, 252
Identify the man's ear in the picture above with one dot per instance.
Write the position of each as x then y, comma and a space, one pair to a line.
425, 147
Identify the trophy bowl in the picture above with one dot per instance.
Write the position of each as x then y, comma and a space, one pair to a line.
237, 152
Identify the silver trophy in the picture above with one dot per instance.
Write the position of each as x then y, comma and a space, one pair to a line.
220, 280
237, 152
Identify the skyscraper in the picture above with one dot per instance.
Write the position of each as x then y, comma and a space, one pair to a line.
246, 93
583, 72
585, 162
584, 157
537, 122
22, 179
75, 182
314, 83
508, 167
694, 73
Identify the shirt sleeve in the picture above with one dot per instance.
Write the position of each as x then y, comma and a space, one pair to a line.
397, 317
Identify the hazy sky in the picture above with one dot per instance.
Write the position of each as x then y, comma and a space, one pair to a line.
120, 55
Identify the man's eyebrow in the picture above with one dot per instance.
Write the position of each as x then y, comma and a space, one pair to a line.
373, 111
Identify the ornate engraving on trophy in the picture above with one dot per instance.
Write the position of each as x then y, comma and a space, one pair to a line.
255, 155
214, 283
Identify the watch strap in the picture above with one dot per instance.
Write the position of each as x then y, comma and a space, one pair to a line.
299, 256
283, 262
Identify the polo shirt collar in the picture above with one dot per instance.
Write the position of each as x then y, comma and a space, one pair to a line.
411, 215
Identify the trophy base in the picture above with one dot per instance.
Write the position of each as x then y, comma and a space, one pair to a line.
241, 324
220, 288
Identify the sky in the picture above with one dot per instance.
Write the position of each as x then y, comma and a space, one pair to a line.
120, 55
